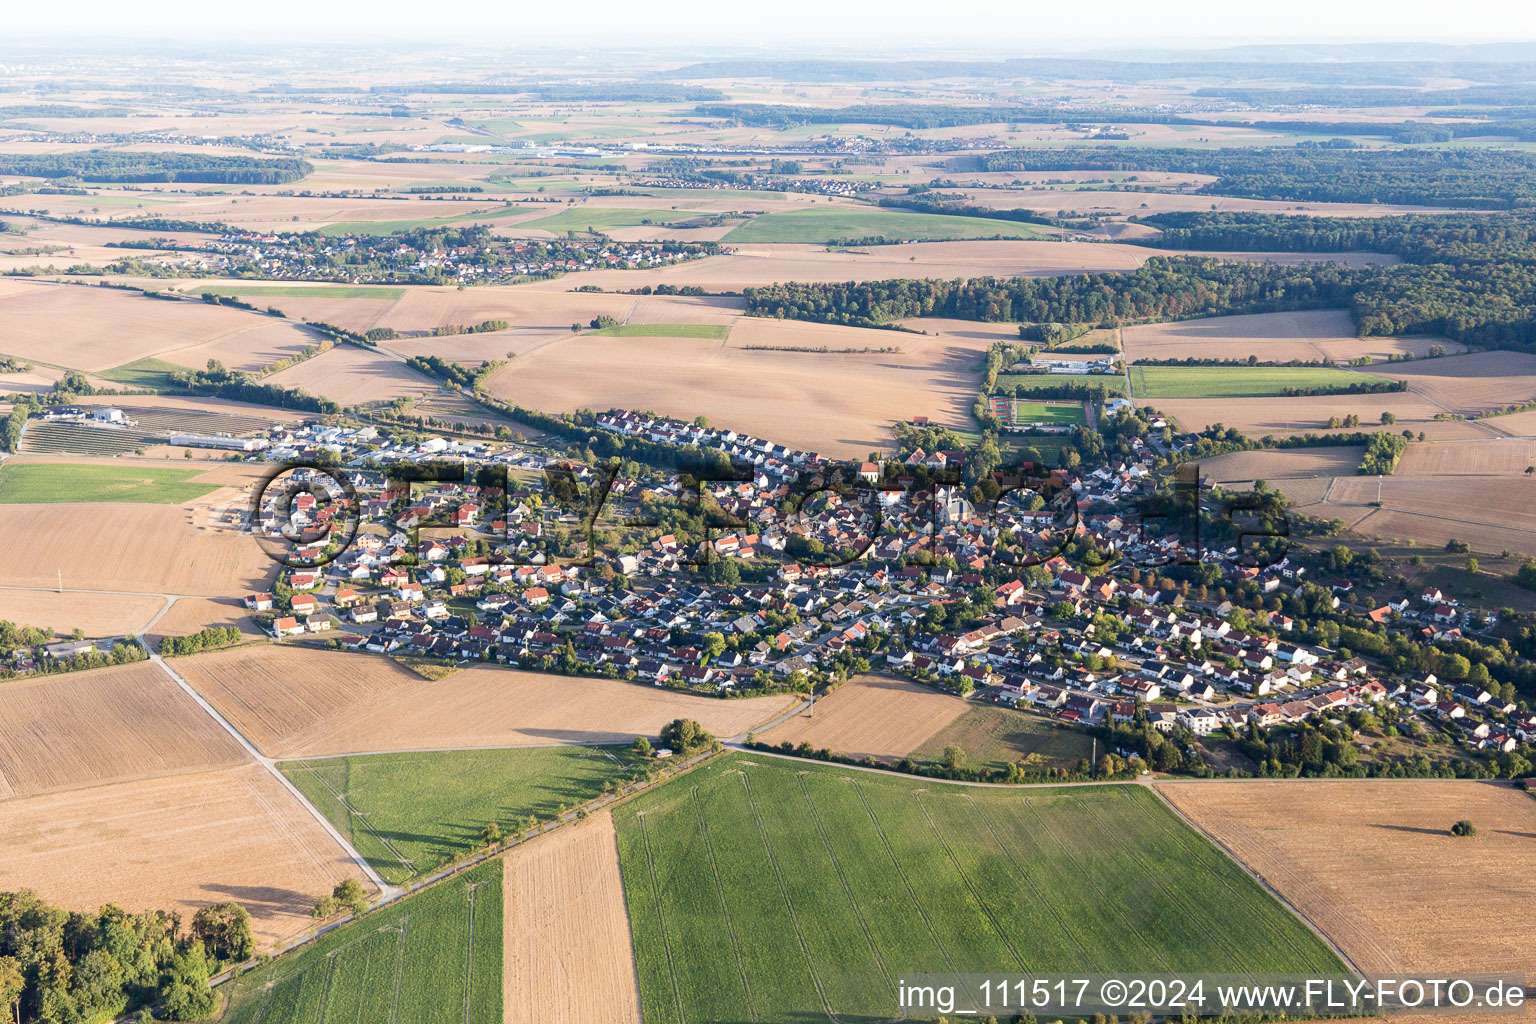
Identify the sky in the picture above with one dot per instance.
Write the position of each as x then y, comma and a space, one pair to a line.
981, 26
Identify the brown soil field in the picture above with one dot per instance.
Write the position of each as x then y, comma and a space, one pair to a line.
1283, 416
1502, 457
1472, 383
190, 614
97, 614
1271, 337
1373, 864
1490, 514
1288, 464
351, 314
91, 328
841, 405
422, 309
145, 548
872, 716
106, 725
176, 843
565, 931
252, 347
354, 376
295, 702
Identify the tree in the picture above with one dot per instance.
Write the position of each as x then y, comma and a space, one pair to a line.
1464, 828
225, 931
350, 893
642, 746
954, 759
12, 984
490, 835
714, 645
685, 735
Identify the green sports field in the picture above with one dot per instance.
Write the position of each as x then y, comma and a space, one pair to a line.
61, 482
435, 956
765, 889
825, 225
716, 331
410, 813
1237, 381
1055, 414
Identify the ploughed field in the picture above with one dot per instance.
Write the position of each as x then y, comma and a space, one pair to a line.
811, 887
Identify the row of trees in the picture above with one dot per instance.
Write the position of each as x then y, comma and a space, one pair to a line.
212, 636
121, 165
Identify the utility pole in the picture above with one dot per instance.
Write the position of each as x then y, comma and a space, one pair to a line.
61, 581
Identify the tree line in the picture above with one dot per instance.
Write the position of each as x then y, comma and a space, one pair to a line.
115, 165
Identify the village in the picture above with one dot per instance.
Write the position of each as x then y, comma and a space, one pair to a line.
747, 590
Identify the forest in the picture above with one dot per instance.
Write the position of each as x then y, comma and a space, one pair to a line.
1327, 172
114, 165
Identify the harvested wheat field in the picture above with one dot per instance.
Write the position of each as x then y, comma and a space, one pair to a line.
190, 614
565, 932
105, 725
96, 615
838, 403
136, 547
1284, 416
177, 843
755, 264
1471, 383
1269, 337
93, 328
422, 309
1283, 464
1489, 514
297, 702
353, 376
1496, 457
1373, 864
872, 716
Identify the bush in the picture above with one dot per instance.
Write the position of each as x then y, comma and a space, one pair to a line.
1463, 828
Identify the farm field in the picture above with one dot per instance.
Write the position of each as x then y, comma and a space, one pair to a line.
840, 404
813, 883
410, 813
717, 332
136, 547
871, 716
93, 329
1490, 514
1339, 861
1270, 337
605, 218
114, 724
176, 843
1284, 464
1284, 416
1058, 414
825, 225
190, 614
997, 736
354, 376
535, 311
1472, 383
295, 702
1495, 457
1154, 382
96, 615
566, 931
63, 482
434, 956
145, 373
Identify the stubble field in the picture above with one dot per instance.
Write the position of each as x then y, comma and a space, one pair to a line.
293, 702
566, 932
176, 843
1271, 337
1374, 865
96, 615
355, 376
872, 716
105, 725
